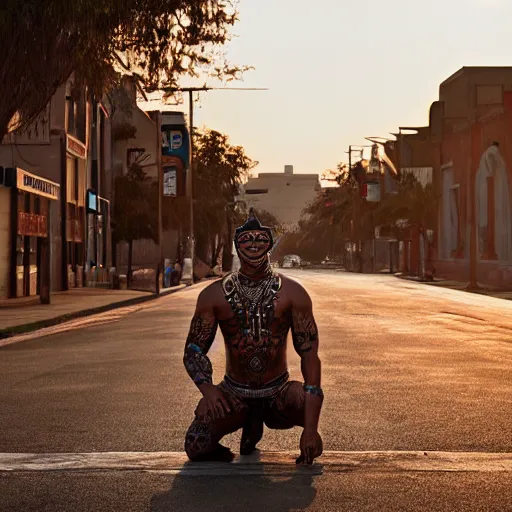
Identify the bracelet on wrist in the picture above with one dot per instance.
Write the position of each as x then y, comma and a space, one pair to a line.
314, 390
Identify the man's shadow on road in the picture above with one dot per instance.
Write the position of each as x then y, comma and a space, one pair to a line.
262, 490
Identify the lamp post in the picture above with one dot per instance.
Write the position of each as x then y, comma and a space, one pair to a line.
356, 214
191, 91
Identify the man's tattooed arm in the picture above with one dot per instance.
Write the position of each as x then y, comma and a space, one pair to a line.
304, 331
200, 338
305, 342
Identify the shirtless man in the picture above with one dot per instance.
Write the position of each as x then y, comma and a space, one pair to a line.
255, 309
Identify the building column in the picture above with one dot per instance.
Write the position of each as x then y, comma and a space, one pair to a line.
489, 252
13, 283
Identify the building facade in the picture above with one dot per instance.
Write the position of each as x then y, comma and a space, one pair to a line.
285, 195
48, 155
149, 143
475, 229
50, 184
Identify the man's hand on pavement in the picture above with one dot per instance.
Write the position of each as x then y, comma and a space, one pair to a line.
311, 447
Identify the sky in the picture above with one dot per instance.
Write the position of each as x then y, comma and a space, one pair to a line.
340, 70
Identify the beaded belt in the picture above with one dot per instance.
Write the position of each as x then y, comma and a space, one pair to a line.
269, 390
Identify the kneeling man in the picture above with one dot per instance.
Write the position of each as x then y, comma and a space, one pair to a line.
255, 309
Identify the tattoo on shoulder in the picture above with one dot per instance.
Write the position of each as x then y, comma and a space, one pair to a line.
304, 331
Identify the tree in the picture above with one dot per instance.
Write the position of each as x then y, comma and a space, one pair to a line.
414, 203
219, 171
327, 220
160, 40
134, 215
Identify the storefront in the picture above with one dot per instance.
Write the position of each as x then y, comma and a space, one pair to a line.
31, 205
76, 153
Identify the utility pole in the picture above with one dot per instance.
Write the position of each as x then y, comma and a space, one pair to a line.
356, 215
191, 180
160, 270
191, 91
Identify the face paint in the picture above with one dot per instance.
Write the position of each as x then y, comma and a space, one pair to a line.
253, 247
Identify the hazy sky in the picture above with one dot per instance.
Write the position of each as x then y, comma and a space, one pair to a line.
340, 70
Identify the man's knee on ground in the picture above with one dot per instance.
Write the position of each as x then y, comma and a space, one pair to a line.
198, 440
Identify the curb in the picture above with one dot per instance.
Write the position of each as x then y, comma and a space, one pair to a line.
460, 287
49, 322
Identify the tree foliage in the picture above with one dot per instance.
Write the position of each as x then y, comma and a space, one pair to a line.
43, 42
326, 224
220, 169
413, 203
135, 215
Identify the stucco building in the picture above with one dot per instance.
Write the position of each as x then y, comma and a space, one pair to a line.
44, 189
475, 175
285, 195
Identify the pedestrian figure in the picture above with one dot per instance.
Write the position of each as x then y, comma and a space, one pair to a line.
167, 275
176, 274
255, 309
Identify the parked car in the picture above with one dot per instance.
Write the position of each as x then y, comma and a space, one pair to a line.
291, 261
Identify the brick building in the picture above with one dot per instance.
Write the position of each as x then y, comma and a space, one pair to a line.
285, 195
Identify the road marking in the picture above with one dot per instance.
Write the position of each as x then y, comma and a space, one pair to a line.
260, 463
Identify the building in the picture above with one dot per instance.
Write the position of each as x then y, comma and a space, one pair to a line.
475, 235
158, 143
285, 195
47, 174
416, 152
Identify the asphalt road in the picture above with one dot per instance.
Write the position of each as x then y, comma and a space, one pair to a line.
406, 367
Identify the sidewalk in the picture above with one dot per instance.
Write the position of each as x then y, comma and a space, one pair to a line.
490, 291
263, 481
26, 315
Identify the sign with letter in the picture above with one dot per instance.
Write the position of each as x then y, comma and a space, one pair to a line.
32, 183
170, 181
75, 147
176, 140
32, 224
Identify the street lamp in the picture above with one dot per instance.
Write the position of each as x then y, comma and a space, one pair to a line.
191, 91
356, 200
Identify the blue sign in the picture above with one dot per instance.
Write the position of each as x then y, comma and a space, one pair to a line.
176, 142
92, 202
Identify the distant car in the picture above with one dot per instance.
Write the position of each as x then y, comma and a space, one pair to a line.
291, 261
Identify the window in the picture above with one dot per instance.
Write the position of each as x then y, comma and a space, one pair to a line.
133, 155
454, 221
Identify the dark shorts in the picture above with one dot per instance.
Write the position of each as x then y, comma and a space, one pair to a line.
283, 410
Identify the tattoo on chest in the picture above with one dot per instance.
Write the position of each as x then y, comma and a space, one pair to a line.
253, 303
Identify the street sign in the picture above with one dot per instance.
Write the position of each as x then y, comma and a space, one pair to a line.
373, 192
176, 140
170, 181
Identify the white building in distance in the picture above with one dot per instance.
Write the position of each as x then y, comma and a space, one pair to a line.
285, 195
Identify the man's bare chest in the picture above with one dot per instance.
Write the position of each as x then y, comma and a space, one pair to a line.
236, 332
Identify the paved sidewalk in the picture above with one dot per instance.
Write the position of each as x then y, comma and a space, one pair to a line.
24, 316
490, 291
